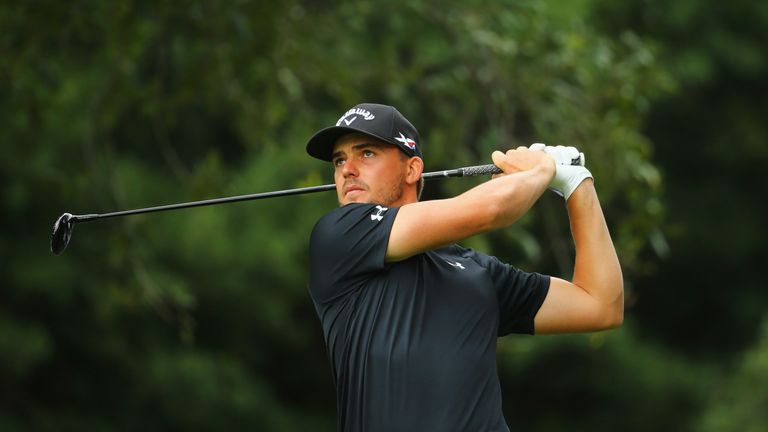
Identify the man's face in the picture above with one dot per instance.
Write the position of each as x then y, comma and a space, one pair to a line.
368, 170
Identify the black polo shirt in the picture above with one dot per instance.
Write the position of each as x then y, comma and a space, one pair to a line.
412, 344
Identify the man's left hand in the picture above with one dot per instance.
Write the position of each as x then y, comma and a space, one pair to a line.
567, 176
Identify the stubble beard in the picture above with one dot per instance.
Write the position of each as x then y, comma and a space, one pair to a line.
387, 197
394, 194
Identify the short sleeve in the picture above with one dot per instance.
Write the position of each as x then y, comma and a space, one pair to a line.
346, 246
520, 294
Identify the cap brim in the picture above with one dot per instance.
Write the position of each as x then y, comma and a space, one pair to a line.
321, 144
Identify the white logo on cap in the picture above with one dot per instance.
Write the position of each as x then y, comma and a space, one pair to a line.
349, 122
355, 111
411, 144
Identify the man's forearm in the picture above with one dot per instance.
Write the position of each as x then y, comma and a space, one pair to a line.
597, 269
511, 195
488, 206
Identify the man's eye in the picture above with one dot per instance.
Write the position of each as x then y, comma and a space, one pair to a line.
367, 153
338, 162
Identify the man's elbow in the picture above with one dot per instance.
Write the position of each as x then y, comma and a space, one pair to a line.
610, 313
616, 319
614, 313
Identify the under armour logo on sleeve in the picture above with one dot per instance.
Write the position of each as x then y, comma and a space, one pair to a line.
378, 215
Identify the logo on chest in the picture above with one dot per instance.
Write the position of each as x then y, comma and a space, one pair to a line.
456, 264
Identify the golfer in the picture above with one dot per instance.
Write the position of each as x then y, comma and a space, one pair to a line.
411, 318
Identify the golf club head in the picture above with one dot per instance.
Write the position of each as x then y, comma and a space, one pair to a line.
62, 232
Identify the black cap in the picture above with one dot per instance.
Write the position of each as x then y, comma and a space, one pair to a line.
379, 121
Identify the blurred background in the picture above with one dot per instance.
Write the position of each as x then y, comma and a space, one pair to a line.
200, 319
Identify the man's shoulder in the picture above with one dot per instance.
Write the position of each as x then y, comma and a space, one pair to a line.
346, 246
352, 212
345, 217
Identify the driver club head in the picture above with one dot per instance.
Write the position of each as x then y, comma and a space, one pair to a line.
62, 232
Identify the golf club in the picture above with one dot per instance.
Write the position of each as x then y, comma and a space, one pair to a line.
62, 228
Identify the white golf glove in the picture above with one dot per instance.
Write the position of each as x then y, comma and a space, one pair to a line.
567, 176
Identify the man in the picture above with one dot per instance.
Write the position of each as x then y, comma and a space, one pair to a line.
410, 318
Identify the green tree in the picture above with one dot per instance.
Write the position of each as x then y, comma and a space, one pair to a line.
707, 298
739, 401
709, 136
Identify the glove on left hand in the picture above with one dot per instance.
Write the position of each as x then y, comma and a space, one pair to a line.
567, 177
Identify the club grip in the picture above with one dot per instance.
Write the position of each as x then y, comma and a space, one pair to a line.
480, 170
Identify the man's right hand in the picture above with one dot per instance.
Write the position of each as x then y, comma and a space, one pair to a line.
522, 159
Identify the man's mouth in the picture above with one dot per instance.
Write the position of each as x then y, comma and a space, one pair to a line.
353, 188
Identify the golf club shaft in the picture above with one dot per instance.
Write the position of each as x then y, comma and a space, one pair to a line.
458, 172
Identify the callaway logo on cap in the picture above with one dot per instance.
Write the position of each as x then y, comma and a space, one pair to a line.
379, 121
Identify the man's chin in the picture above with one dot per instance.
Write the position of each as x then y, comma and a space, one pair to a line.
355, 198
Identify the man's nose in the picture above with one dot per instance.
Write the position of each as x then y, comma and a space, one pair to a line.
349, 169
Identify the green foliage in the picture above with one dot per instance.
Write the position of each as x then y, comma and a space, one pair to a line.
596, 382
200, 319
22, 347
709, 137
739, 402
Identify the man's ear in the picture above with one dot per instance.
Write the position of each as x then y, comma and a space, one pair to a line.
415, 169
